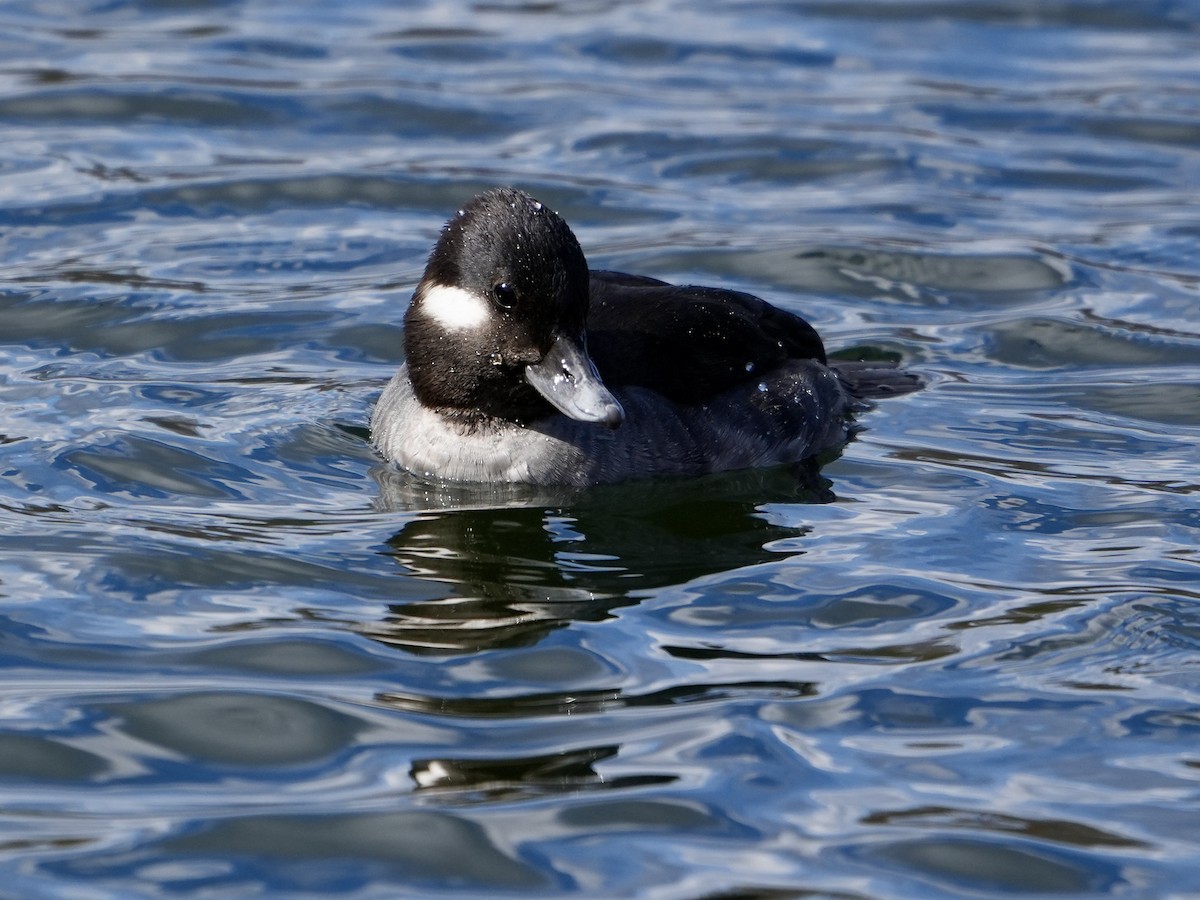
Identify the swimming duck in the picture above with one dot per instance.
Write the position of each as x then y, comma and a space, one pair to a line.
524, 366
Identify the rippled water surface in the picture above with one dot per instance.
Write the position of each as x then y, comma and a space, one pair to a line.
241, 656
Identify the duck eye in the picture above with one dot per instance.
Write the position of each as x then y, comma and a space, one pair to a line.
505, 294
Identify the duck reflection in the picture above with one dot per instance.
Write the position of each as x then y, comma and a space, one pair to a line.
520, 562
526, 776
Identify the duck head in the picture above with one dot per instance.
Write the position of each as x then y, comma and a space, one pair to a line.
497, 325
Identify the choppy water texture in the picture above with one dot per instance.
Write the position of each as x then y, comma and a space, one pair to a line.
239, 655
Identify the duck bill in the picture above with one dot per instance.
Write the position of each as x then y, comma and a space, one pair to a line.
568, 379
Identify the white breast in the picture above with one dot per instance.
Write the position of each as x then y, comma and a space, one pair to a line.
794, 413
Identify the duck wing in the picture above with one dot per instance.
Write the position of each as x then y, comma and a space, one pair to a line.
687, 342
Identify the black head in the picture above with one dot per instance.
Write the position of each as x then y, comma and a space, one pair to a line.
505, 283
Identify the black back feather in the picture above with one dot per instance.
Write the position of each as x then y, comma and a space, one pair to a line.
689, 343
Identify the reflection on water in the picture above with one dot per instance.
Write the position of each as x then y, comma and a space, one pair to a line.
540, 559
510, 779
323, 854
233, 729
242, 657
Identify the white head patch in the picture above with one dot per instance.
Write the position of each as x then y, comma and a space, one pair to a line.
453, 308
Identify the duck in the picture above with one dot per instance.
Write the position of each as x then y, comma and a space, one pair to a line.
524, 366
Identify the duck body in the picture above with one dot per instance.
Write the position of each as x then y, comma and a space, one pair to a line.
524, 366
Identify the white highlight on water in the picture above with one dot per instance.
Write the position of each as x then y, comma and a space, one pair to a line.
453, 308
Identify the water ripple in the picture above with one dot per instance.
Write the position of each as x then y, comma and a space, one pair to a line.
243, 656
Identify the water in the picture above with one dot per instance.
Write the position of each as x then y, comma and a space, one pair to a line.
240, 656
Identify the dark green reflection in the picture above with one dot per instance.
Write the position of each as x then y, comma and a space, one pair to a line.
234, 728
38, 758
998, 867
321, 851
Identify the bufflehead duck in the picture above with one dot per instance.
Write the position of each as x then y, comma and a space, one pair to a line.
523, 366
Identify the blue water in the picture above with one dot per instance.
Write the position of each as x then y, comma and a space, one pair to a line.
242, 657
